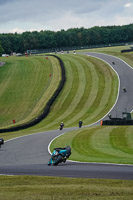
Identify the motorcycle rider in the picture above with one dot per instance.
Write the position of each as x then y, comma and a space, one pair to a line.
61, 125
60, 155
68, 148
80, 123
113, 63
124, 89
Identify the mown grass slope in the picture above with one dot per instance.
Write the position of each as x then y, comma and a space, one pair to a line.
89, 93
26, 86
110, 144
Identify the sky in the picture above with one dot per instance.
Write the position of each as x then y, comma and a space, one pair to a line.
36, 15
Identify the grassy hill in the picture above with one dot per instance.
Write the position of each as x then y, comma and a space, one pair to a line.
89, 93
26, 86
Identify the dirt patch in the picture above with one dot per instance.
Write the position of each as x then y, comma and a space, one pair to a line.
2, 63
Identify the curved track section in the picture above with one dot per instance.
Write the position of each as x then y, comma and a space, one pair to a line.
125, 73
29, 155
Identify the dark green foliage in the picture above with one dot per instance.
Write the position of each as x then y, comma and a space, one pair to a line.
1, 49
73, 37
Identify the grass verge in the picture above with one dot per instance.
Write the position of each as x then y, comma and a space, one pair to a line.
109, 144
51, 188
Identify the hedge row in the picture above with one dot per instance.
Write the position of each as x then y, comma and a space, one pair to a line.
126, 50
46, 109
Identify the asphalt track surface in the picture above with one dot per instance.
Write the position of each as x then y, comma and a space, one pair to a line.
29, 155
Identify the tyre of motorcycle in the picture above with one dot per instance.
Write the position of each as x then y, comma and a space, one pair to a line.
1, 141
49, 163
58, 160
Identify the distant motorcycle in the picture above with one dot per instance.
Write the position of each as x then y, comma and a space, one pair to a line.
124, 89
1, 141
61, 126
80, 124
59, 155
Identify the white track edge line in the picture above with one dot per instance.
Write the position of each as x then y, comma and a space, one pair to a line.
118, 88
53, 140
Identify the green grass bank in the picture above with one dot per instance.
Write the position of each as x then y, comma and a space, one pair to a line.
89, 93
108, 144
26, 85
53, 188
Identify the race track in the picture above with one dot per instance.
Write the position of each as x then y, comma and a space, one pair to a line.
29, 155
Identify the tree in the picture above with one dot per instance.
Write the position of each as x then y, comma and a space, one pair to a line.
6, 45
73, 37
1, 50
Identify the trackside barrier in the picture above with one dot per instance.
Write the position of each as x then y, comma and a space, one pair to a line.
46, 109
126, 50
117, 122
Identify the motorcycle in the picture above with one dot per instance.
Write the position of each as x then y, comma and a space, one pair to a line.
59, 155
80, 124
124, 89
61, 126
1, 141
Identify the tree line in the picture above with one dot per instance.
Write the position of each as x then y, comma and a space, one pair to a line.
15, 42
